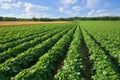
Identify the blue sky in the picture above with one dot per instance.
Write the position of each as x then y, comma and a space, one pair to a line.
59, 8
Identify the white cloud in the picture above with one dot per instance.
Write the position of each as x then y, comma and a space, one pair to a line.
6, 1
11, 5
34, 8
25, 9
101, 11
10, 15
68, 2
76, 8
74, 11
24, 15
92, 3
91, 13
61, 9
38, 15
94, 13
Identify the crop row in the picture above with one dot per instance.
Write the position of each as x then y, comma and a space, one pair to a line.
107, 36
20, 32
108, 44
15, 34
60, 52
44, 68
23, 47
10, 45
102, 67
29, 57
6, 46
73, 67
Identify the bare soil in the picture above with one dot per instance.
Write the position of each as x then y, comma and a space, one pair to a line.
85, 51
87, 61
13, 23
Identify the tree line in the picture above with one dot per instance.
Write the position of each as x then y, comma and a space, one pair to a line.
111, 18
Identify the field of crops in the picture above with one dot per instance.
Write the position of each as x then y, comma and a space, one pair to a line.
82, 50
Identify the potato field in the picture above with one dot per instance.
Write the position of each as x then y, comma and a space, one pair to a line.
78, 50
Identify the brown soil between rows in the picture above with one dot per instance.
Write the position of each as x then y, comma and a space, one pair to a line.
14, 23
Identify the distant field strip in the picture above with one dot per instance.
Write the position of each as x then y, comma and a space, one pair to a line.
13, 23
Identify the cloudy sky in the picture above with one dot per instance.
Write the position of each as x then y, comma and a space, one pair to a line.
59, 8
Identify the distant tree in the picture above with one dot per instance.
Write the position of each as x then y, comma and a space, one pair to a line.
111, 18
34, 19
1, 18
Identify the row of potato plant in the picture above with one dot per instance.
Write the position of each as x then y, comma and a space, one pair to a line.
107, 36
20, 32
23, 47
109, 42
73, 67
14, 33
45, 67
6, 46
28, 58
102, 67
